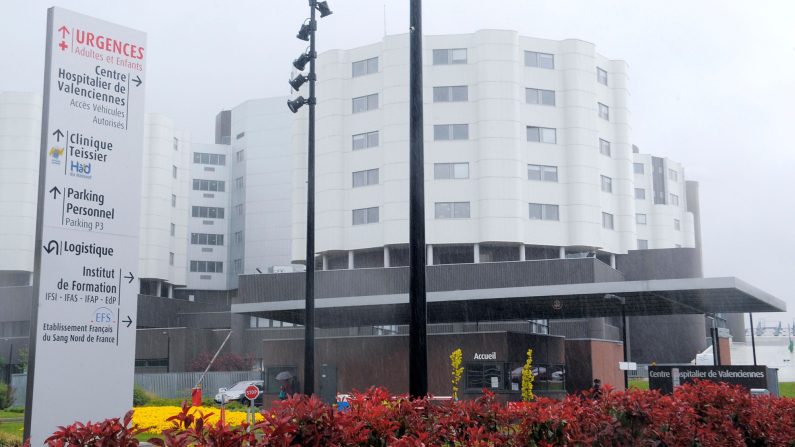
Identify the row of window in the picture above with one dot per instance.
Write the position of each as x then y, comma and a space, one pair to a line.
206, 239
209, 185
209, 159
461, 210
458, 56
640, 168
210, 212
460, 93
207, 266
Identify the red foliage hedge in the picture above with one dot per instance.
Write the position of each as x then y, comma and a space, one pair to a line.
702, 414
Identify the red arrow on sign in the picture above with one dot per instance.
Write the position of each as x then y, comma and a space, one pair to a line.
252, 392
64, 31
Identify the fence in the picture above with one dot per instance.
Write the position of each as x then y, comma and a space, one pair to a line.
178, 385
166, 385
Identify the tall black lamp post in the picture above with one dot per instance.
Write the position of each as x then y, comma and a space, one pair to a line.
418, 348
307, 32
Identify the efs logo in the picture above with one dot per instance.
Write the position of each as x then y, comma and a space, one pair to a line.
77, 169
103, 315
55, 154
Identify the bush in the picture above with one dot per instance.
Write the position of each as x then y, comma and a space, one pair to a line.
6, 396
141, 397
701, 414
10, 440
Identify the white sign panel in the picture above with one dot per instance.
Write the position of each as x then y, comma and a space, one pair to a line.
628, 366
89, 212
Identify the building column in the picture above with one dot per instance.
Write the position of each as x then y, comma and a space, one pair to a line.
159, 287
522, 253
386, 256
476, 250
324, 259
613, 261
350, 259
562, 252
429, 255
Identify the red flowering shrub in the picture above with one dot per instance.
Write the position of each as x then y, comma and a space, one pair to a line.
702, 414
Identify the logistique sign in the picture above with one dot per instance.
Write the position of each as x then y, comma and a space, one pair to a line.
88, 223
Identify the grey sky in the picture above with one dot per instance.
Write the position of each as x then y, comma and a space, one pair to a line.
712, 83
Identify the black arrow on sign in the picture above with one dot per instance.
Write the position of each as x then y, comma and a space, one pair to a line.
64, 31
58, 134
127, 320
55, 191
52, 245
137, 81
129, 277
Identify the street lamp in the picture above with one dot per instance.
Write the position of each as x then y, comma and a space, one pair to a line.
307, 33
623, 302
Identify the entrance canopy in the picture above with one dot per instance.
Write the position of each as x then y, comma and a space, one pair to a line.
346, 303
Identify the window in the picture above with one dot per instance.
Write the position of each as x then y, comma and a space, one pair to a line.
174, 171
601, 76
365, 103
443, 132
239, 209
173, 229
643, 244
640, 219
173, 200
451, 210
209, 159
607, 221
170, 258
452, 56
485, 375
206, 239
673, 175
607, 184
365, 178
240, 183
237, 265
365, 140
544, 211
677, 225
209, 185
604, 111
540, 60
240, 155
176, 144
238, 237
638, 168
542, 135
674, 199
447, 171
538, 96
640, 193
542, 173
363, 216
207, 266
365, 67
604, 147
453, 93
208, 212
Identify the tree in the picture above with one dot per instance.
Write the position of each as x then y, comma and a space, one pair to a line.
528, 378
458, 370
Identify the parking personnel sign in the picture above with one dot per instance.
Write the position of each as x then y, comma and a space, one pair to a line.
85, 273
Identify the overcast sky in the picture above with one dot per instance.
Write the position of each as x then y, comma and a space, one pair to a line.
712, 84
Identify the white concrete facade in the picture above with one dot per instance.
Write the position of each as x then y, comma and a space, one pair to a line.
261, 180
499, 111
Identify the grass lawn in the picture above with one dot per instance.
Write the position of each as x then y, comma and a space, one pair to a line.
787, 389
639, 384
10, 432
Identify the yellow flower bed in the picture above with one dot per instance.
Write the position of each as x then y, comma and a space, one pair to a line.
156, 417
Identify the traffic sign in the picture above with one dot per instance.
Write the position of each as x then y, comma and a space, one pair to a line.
87, 230
252, 392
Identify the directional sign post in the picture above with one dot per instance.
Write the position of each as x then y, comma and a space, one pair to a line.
85, 293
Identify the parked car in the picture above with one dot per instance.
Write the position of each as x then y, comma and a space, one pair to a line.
237, 391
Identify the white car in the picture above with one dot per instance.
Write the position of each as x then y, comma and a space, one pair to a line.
235, 393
